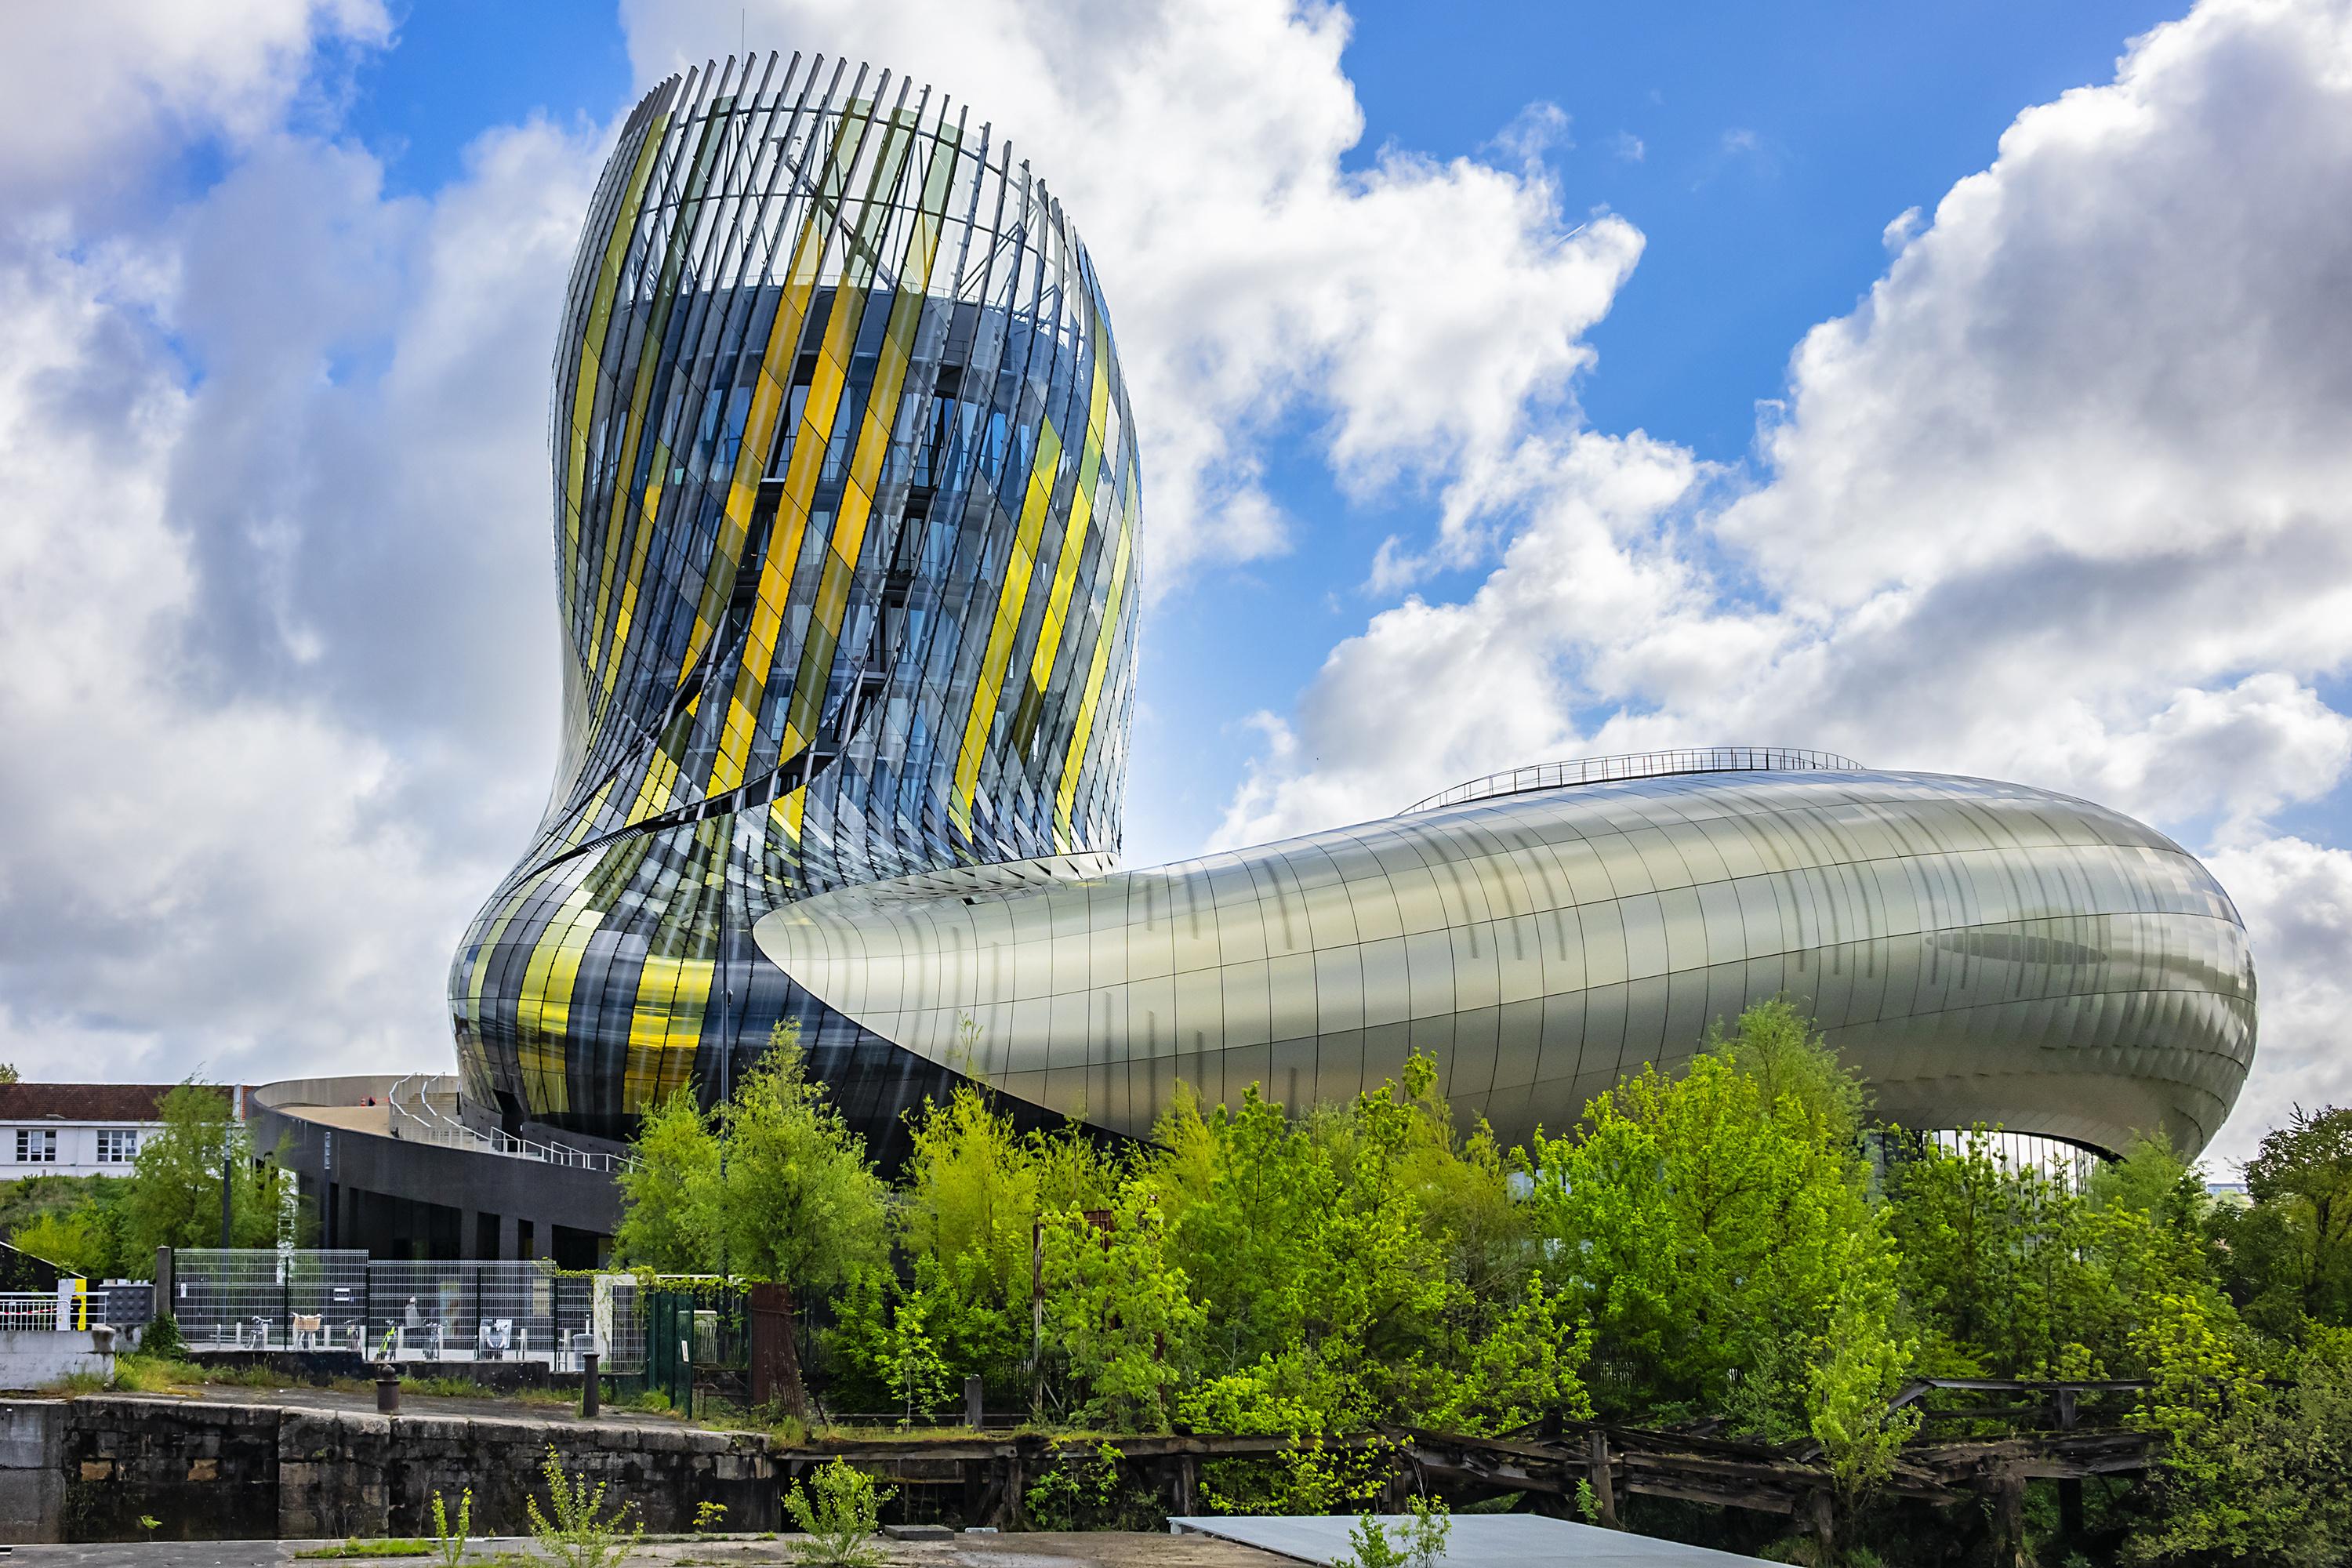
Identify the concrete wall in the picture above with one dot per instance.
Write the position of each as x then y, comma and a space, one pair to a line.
35, 1358
32, 1470
387, 1193
86, 1469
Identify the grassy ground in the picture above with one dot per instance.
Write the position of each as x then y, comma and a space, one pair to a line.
390, 1547
138, 1373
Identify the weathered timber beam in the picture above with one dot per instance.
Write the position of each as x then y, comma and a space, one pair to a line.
1762, 1499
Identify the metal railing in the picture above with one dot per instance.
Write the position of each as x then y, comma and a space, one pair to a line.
415, 1119
31, 1311
1637, 765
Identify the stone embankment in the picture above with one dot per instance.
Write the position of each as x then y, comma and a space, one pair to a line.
88, 1468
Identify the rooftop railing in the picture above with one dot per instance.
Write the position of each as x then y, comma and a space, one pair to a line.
1637, 765
414, 1119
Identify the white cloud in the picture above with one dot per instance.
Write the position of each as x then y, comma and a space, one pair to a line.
1539, 128
2066, 499
96, 88
1253, 283
276, 630
1628, 147
2296, 897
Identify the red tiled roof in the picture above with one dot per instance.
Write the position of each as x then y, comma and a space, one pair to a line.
82, 1101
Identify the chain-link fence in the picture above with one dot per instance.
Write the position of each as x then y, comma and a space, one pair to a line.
404, 1310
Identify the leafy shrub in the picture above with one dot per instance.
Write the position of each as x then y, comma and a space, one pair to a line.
1091, 1492
448, 1544
160, 1337
581, 1535
839, 1511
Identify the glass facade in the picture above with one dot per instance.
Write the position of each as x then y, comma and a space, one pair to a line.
846, 494
846, 499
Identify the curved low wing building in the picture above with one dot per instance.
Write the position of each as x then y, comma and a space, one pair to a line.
1980, 951
847, 505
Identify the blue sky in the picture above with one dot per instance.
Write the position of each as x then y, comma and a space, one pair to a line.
1760, 150
1582, 399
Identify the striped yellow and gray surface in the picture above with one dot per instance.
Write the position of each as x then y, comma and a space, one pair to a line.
846, 495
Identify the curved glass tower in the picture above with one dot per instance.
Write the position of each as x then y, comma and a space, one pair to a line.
846, 501
846, 494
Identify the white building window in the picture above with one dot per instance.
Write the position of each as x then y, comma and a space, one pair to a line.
117, 1145
37, 1147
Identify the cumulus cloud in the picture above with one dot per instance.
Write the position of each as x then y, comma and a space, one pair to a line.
95, 89
1255, 286
2064, 500
2296, 897
275, 636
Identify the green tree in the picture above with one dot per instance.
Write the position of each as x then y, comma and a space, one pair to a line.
77, 1241
174, 1195
968, 1219
1778, 1046
1864, 1359
910, 1357
2011, 1274
2289, 1253
1517, 1366
75, 1222
2204, 1401
663, 1196
1119, 1309
1705, 1223
772, 1181
970, 1191
1361, 1263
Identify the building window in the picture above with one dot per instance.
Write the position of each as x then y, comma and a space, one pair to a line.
117, 1145
36, 1146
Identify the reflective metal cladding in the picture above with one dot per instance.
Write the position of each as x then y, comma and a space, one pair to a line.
846, 504
1980, 951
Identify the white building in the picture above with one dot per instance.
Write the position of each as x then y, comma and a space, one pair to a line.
76, 1128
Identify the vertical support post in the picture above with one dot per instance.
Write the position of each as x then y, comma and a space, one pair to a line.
228, 1164
1036, 1318
2008, 1519
1599, 1476
591, 1391
973, 1400
2070, 1488
1015, 1513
